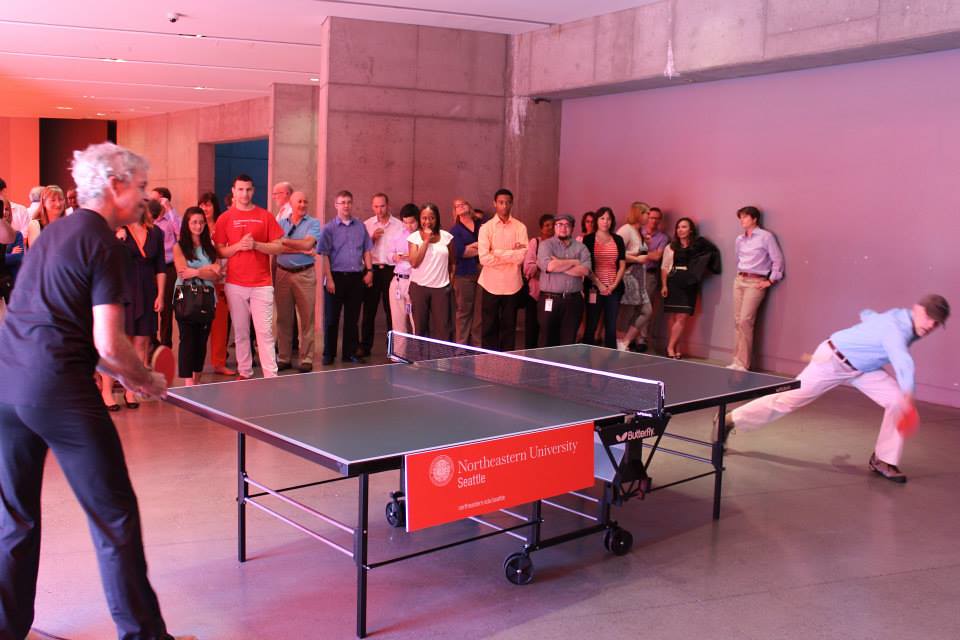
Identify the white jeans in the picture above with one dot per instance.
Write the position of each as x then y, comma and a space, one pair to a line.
255, 302
825, 372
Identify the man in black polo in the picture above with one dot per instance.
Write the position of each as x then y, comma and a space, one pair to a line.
66, 319
563, 264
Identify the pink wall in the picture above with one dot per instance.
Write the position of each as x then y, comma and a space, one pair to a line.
20, 156
856, 167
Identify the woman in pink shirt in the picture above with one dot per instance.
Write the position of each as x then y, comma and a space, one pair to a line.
609, 262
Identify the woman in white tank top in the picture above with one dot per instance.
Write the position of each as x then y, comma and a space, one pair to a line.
432, 262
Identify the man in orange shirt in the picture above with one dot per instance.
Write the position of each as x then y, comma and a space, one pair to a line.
502, 245
247, 236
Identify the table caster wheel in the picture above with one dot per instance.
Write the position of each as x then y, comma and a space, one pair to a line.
396, 513
518, 568
618, 541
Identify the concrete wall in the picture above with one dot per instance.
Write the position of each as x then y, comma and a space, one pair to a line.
675, 42
172, 143
415, 112
20, 157
854, 165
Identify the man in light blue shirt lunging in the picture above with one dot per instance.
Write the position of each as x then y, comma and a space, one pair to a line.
857, 355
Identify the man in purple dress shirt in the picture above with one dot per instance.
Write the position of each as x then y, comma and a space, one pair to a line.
169, 224
759, 265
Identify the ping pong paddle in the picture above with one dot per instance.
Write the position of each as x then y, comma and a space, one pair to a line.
162, 361
908, 421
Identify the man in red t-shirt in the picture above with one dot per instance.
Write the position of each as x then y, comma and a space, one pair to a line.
247, 236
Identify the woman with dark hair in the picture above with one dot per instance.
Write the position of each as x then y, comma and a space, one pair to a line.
588, 224
608, 254
220, 327
685, 263
194, 256
145, 281
432, 262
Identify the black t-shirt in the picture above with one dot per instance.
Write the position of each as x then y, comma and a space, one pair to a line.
47, 355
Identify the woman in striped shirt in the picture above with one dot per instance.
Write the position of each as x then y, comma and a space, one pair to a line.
608, 254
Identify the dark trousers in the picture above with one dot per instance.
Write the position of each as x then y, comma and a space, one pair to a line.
531, 323
498, 317
89, 452
166, 316
610, 306
347, 298
192, 351
559, 325
432, 311
373, 297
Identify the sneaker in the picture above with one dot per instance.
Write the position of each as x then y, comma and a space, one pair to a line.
621, 345
887, 470
735, 367
306, 367
728, 427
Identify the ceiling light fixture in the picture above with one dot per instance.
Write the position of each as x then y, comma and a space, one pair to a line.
199, 88
112, 60
314, 79
101, 113
191, 35
65, 108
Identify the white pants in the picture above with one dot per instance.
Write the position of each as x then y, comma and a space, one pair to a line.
255, 302
400, 310
825, 372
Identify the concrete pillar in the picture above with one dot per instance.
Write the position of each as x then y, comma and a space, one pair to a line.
293, 138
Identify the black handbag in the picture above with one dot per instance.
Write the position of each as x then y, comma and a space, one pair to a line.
193, 302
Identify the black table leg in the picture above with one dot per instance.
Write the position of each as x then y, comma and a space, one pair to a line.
717, 458
242, 493
360, 555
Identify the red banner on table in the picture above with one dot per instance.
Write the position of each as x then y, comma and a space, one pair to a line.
449, 484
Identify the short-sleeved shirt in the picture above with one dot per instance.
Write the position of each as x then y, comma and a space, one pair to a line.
247, 268
47, 353
434, 270
344, 243
308, 226
462, 236
551, 282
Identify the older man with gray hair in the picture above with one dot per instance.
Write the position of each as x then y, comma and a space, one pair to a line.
66, 319
282, 191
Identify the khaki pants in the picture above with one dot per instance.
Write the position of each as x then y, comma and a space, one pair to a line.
467, 299
825, 372
296, 296
747, 296
400, 309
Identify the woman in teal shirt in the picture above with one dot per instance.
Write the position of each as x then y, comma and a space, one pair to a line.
194, 256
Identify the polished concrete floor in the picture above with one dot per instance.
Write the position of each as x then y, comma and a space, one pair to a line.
809, 545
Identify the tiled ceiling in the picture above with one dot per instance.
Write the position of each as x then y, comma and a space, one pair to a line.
115, 59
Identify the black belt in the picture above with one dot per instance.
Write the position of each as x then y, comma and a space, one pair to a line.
402, 276
294, 269
568, 294
842, 358
382, 266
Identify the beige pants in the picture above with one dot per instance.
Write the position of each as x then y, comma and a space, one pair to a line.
254, 303
467, 299
296, 295
747, 296
400, 309
825, 372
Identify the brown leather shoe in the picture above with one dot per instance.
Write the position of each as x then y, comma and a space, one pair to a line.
887, 470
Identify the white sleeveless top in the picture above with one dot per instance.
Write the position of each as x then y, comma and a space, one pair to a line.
434, 271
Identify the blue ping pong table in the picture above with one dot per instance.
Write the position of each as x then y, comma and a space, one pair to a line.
365, 420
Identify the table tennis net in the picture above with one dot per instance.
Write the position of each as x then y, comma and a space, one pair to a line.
616, 392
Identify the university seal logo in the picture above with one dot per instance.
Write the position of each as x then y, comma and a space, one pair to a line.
441, 471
